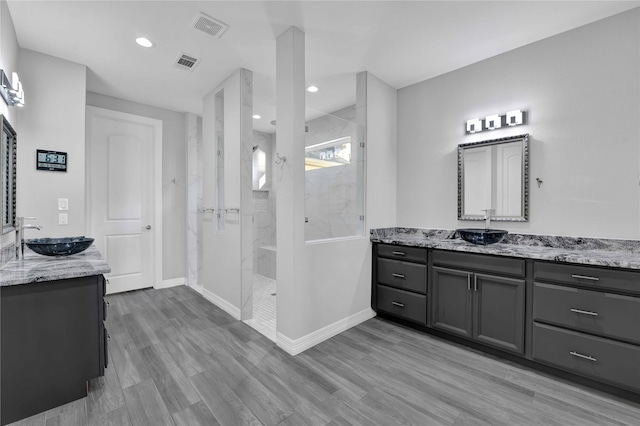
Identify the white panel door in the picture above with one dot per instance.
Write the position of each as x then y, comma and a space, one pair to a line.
122, 195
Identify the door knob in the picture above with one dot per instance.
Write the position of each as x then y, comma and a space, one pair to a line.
148, 227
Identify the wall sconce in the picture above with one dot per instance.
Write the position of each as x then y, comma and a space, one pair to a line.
496, 121
11, 92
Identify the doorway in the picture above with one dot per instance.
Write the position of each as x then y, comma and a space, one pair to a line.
124, 203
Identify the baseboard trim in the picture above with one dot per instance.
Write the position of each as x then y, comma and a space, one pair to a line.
174, 282
297, 346
218, 301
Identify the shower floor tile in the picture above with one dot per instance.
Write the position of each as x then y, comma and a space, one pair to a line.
264, 306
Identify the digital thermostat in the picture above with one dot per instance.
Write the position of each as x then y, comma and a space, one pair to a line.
51, 160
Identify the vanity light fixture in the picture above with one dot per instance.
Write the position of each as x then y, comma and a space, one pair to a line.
12, 92
312, 89
496, 121
144, 42
257, 116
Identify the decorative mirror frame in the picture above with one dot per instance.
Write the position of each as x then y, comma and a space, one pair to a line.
525, 178
9, 176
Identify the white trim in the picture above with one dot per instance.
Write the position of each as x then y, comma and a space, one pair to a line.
157, 126
294, 347
173, 282
218, 301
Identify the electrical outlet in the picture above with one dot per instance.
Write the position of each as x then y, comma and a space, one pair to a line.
63, 219
63, 204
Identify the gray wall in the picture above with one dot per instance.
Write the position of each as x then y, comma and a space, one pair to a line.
581, 91
53, 118
174, 166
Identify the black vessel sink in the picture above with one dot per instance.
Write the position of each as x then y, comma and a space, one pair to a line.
481, 235
59, 246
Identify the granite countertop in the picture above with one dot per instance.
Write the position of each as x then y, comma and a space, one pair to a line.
585, 251
35, 268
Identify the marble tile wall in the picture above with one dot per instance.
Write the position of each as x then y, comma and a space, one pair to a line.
264, 219
331, 193
194, 197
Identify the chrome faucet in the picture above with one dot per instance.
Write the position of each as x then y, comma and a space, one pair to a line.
20, 227
487, 217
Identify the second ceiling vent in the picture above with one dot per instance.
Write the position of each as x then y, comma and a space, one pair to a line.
208, 25
186, 61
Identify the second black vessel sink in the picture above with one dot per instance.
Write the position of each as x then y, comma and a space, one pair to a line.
481, 235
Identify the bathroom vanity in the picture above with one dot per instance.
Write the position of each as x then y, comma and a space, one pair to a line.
569, 306
52, 330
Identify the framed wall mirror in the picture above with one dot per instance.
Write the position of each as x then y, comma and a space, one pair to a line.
494, 174
8, 169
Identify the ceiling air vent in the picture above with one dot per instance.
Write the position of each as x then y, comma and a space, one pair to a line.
211, 26
186, 61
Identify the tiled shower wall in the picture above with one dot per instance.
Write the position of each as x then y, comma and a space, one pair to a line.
264, 218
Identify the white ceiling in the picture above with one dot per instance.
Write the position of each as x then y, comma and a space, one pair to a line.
401, 42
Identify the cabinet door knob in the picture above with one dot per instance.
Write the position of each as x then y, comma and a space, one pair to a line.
398, 304
587, 357
580, 311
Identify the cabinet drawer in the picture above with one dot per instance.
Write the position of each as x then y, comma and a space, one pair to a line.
405, 275
402, 304
590, 356
610, 315
480, 262
587, 276
407, 254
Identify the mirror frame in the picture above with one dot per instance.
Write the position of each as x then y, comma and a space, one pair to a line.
10, 168
524, 217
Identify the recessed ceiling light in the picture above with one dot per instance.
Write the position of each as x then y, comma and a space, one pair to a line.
144, 42
312, 89
257, 116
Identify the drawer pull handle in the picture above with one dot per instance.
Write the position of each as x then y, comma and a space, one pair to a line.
580, 311
398, 304
398, 275
468, 282
587, 357
399, 253
585, 277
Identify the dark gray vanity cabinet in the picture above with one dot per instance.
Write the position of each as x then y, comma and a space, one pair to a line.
472, 303
53, 341
587, 321
400, 282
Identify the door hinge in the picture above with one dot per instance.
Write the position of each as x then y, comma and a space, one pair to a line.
361, 144
218, 153
362, 217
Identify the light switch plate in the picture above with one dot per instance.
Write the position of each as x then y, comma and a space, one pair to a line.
63, 204
63, 219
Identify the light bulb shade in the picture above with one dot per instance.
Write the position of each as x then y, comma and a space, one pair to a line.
514, 118
474, 125
493, 122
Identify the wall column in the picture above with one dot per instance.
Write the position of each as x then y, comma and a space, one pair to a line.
290, 113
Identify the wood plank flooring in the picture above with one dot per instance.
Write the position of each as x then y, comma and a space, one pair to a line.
176, 359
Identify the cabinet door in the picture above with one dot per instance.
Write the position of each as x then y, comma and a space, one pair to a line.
499, 312
452, 299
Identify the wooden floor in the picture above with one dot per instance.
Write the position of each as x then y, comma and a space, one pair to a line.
177, 359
